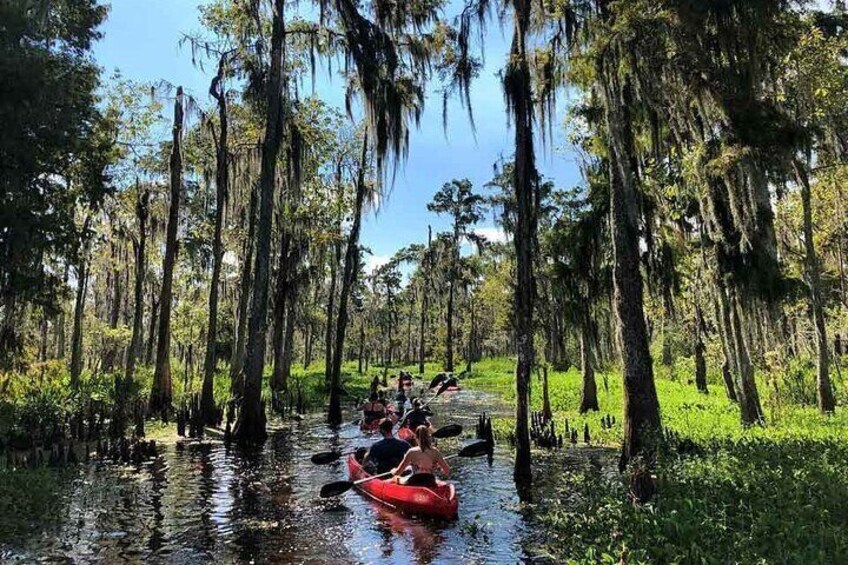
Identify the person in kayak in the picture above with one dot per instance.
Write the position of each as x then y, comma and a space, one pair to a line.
415, 417
403, 403
387, 453
373, 410
424, 460
391, 411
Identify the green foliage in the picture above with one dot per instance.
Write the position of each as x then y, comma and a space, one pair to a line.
54, 148
756, 495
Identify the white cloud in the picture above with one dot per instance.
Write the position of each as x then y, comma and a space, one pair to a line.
492, 234
374, 261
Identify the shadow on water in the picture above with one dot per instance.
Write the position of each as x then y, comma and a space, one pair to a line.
202, 501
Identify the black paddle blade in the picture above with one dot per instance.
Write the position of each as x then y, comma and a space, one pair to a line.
451, 430
325, 458
436, 380
476, 449
446, 385
335, 489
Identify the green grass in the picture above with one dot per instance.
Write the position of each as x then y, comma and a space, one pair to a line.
701, 417
773, 494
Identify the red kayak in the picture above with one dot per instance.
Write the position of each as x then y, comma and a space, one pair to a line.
439, 501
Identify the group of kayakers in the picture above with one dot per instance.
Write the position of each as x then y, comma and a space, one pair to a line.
413, 448
378, 406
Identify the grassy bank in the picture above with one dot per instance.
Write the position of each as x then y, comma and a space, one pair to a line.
774, 494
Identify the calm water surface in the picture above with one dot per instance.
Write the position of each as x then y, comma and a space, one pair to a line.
204, 502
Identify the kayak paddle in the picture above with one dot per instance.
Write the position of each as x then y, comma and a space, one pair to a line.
337, 488
437, 380
445, 385
327, 457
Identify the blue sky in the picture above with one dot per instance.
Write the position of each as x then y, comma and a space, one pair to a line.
141, 40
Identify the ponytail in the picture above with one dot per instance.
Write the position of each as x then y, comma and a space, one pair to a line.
425, 440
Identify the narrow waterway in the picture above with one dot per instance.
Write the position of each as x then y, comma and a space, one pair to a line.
201, 501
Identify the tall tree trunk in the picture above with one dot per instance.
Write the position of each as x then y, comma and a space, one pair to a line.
824, 390
547, 413
331, 309
60, 320
746, 389
589, 393
160, 393
250, 427
519, 100
641, 407
288, 340
79, 308
422, 332
449, 333
142, 210
334, 413
111, 351
470, 352
222, 183
361, 343
280, 319
154, 323
240, 346
76, 333
722, 313
407, 355
700, 361
42, 346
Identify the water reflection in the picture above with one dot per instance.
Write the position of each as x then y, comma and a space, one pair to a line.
202, 502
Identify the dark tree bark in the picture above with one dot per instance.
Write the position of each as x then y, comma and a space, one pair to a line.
79, 308
280, 319
449, 332
700, 360
422, 331
470, 348
547, 413
240, 346
824, 391
722, 313
111, 352
589, 393
160, 393
641, 407
519, 101
336, 258
142, 211
42, 346
250, 426
222, 183
76, 333
151, 330
288, 341
746, 389
60, 321
334, 413
361, 344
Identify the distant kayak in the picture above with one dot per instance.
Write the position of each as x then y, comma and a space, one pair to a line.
439, 500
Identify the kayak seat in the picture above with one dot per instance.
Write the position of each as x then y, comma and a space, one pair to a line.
421, 480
